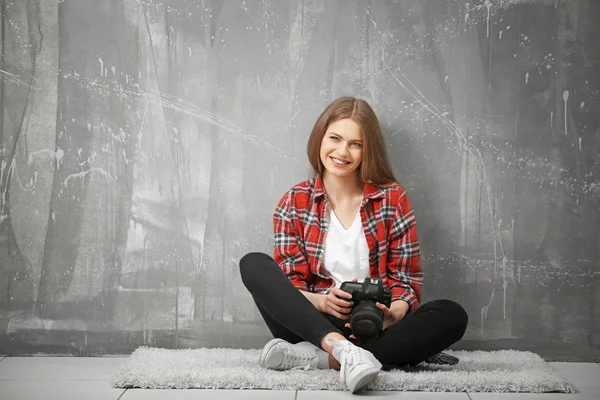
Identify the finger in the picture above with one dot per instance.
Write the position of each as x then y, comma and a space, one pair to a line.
345, 311
337, 309
342, 296
347, 325
354, 280
387, 313
342, 303
338, 315
340, 293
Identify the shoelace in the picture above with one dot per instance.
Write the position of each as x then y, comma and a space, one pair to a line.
291, 358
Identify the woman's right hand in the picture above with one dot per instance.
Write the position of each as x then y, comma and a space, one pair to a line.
337, 303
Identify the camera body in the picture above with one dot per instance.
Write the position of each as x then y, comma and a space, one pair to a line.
366, 320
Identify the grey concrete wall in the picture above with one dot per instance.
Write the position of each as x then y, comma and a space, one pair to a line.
145, 144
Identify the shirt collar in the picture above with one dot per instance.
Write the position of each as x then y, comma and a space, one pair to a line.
370, 191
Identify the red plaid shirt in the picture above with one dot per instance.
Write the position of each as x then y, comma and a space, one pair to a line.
300, 229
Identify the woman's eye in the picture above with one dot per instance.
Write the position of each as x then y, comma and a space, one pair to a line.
357, 145
334, 138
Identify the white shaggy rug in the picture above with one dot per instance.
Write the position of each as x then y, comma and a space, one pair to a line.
477, 371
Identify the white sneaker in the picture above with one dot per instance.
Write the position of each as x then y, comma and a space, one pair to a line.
358, 366
281, 355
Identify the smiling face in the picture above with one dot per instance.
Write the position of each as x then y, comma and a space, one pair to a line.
353, 120
342, 148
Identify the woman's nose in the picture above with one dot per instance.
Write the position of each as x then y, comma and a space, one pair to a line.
343, 149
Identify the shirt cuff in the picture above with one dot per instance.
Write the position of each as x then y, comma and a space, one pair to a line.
299, 283
407, 296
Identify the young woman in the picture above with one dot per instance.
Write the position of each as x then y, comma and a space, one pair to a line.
351, 221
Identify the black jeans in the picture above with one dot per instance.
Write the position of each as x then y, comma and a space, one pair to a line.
430, 329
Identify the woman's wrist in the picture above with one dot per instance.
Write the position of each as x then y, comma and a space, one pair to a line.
399, 309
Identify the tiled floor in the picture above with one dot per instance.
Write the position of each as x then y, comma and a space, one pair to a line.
67, 378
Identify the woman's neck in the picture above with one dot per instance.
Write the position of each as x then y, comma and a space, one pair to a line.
342, 189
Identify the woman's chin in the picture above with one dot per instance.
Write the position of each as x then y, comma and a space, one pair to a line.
340, 172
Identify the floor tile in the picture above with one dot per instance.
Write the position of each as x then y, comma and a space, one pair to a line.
195, 394
72, 390
59, 368
587, 374
330, 395
532, 396
584, 376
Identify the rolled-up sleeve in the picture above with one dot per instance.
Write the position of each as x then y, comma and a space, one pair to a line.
287, 251
405, 276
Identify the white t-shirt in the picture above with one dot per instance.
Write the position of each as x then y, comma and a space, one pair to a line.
346, 250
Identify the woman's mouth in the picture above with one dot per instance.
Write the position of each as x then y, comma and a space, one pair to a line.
339, 162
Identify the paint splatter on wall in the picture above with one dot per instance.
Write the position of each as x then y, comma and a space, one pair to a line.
145, 144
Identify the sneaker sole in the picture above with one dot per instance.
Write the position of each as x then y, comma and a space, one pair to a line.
367, 378
266, 349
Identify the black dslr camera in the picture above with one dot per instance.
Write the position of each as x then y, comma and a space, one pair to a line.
366, 320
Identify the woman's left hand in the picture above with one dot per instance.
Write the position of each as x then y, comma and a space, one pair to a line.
393, 314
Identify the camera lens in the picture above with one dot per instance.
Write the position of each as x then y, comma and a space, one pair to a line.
365, 330
366, 321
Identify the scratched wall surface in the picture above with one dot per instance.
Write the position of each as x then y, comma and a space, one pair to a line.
145, 144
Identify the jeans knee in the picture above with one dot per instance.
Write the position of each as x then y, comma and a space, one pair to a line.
456, 312
462, 318
250, 266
